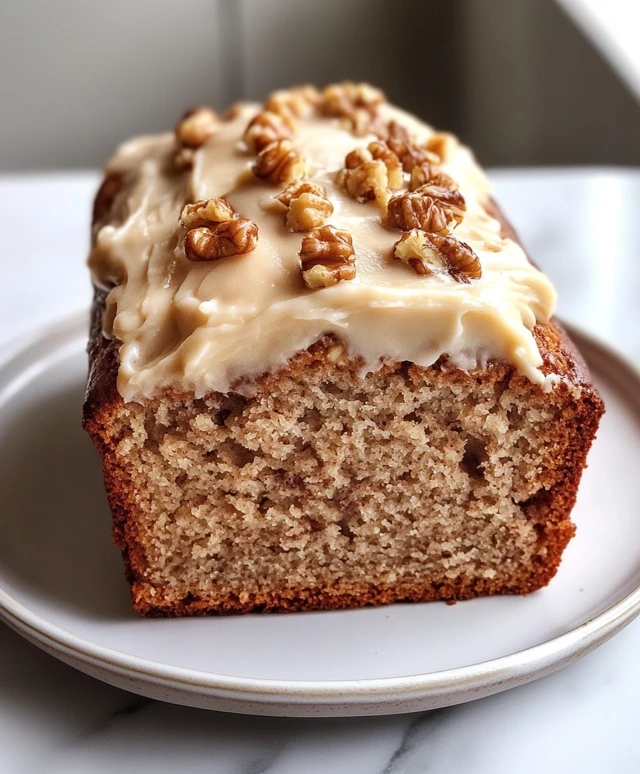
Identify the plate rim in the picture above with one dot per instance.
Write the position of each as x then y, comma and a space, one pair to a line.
520, 666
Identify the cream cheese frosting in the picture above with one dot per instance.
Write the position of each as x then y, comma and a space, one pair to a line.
214, 326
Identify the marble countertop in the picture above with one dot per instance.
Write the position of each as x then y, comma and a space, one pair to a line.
582, 227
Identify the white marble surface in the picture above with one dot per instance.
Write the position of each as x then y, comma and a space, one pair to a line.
582, 227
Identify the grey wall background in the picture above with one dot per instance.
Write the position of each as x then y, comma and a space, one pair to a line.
514, 78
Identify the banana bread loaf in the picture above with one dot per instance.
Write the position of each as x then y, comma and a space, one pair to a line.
323, 372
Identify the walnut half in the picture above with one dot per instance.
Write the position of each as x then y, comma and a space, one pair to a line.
428, 174
341, 99
297, 102
196, 127
231, 237
279, 162
307, 206
208, 212
192, 132
369, 173
431, 208
356, 103
437, 254
327, 257
267, 127
410, 153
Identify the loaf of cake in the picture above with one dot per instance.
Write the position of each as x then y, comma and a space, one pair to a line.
323, 372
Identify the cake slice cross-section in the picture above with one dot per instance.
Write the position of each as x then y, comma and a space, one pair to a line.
323, 371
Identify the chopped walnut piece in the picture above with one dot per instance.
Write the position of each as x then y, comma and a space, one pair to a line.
357, 157
196, 127
416, 250
231, 237
430, 208
416, 155
357, 104
382, 152
363, 121
398, 138
437, 254
378, 151
427, 174
297, 102
267, 127
443, 145
307, 206
410, 153
365, 182
235, 111
370, 172
327, 257
341, 99
279, 162
208, 212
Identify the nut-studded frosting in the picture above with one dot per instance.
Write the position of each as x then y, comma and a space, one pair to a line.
207, 262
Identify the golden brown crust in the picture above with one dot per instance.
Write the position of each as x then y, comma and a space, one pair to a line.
550, 509
307, 599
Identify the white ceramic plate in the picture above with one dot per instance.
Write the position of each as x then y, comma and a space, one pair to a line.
62, 585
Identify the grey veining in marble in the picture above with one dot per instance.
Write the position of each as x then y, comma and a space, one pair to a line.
584, 718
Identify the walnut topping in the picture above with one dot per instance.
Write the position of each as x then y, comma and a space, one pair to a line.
365, 182
215, 231
415, 155
193, 131
363, 121
427, 174
430, 208
380, 151
234, 111
208, 212
398, 139
278, 162
307, 206
267, 127
357, 104
341, 99
410, 153
196, 127
297, 102
437, 254
443, 145
327, 257
231, 237
370, 172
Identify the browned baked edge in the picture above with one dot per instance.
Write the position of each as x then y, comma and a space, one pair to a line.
560, 356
